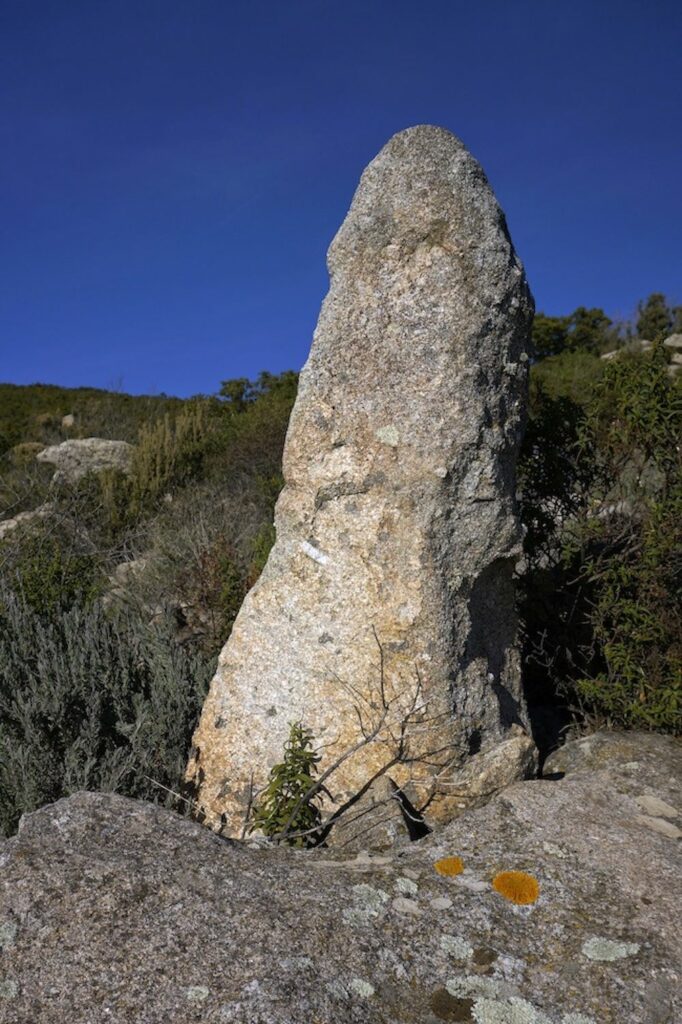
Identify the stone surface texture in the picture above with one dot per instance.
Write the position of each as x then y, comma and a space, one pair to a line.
118, 911
396, 528
73, 459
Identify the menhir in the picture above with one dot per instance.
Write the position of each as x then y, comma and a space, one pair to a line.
384, 619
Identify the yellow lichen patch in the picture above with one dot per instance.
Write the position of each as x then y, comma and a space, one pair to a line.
449, 866
517, 886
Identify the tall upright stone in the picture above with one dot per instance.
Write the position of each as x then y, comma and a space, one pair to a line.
384, 619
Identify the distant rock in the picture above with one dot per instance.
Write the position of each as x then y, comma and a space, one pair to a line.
397, 531
632, 347
123, 579
24, 519
127, 572
74, 459
68, 421
674, 342
113, 910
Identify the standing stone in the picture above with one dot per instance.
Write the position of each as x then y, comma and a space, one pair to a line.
397, 531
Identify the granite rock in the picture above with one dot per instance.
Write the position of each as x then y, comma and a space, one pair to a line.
117, 911
387, 599
74, 459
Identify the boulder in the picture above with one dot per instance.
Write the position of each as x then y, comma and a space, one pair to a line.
123, 580
74, 459
384, 618
113, 910
25, 519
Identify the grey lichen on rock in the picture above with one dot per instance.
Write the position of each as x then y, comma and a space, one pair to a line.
397, 523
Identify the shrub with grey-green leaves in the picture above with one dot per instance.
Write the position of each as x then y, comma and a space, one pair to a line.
89, 701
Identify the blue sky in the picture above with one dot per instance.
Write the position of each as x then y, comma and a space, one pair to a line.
173, 171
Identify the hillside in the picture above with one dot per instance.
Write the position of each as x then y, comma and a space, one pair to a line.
34, 412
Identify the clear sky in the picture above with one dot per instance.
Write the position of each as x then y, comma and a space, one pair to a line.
172, 171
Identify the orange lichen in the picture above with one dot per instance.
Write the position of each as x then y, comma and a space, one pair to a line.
517, 886
449, 866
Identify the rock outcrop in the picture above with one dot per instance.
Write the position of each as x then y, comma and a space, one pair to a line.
113, 910
384, 619
74, 459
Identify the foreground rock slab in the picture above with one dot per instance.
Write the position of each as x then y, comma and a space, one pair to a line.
387, 600
118, 911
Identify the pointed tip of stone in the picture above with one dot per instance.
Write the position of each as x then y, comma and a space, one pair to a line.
426, 132
423, 184
425, 137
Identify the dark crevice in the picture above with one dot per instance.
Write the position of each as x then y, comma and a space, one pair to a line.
414, 821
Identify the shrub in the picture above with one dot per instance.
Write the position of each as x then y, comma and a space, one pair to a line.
571, 374
287, 810
88, 701
101, 504
601, 487
169, 453
255, 425
24, 454
24, 483
630, 539
98, 413
50, 574
211, 589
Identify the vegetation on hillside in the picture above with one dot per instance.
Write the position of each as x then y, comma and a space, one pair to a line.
601, 486
114, 604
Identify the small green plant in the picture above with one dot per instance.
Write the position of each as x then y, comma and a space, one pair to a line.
287, 811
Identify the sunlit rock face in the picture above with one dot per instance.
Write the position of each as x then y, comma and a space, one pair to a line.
384, 618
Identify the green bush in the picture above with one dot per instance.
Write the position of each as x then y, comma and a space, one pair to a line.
631, 542
88, 701
101, 503
288, 809
50, 574
602, 501
571, 374
24, 454
34, 412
